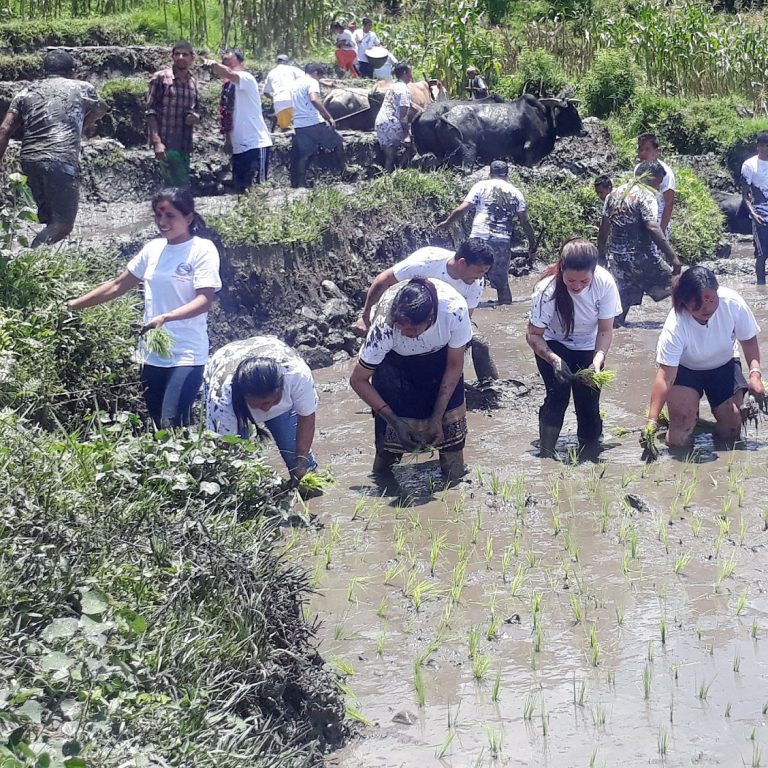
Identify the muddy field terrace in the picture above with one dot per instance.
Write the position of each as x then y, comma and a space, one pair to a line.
168, 598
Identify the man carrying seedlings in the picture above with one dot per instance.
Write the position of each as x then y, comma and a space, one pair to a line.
314, 126
173, 109
648, 149
53, 114
464, 270
630, 220
496, 203
249, 138
754, 192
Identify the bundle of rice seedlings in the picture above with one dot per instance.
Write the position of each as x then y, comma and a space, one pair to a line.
159, 342
316, 481
648, 441
595, 379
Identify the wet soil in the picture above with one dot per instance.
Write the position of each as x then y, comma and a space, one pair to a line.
602, 613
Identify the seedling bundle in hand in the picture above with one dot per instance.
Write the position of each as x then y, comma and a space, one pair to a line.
594, 379
159, 342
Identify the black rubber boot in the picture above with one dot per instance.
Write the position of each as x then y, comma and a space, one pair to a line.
504, 294
452, 465
384, 461
760, 270
548, 435
485, 368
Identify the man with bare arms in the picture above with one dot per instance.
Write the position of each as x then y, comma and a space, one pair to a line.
754, 191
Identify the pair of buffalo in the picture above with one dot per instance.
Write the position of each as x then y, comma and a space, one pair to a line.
523, 130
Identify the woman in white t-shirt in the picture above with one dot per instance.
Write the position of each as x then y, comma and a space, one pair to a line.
697, 355
410, 373
346, 49
263, 380
571, 328
180, 274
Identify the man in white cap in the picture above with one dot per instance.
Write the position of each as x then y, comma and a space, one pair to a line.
278, 86
496, 203
476, 86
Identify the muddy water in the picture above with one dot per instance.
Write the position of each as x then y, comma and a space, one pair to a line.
555, 614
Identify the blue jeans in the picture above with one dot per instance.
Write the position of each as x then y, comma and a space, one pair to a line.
283, 429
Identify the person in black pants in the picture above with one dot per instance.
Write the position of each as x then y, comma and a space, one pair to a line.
571, 328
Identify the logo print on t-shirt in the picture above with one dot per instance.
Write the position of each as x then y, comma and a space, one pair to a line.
184, 269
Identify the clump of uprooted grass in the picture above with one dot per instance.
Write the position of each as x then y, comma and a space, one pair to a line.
144, 614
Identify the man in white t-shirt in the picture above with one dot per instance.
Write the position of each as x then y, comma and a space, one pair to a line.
368, 39
311, 133
754, 192
278, 85
648, 149
496, 203
249, 137
464, 270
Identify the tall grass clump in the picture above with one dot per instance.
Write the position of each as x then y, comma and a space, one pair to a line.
144, 613
538, 72
697, 222
610, 83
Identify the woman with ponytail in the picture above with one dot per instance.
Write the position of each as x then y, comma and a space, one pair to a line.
410, 373
571, 328
180, 273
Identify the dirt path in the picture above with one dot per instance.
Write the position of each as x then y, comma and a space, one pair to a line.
619, 608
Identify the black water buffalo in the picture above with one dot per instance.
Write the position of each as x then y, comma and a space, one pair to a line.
523, 130
736, 215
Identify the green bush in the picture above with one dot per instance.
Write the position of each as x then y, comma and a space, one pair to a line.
23, 67
697, 222
145, 615
610, 83
125, 121
538, 72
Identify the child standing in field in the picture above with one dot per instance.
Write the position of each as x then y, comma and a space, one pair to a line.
180, 274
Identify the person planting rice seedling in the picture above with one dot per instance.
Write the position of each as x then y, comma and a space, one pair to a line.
697, 355
180, 273
262, 380
571, 329
410, 373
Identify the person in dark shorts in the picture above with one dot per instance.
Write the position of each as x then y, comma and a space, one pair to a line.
313, 125
53, 115
697, 355
754, 192
640, 258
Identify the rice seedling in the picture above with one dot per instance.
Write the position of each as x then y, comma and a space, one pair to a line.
458, 508
649, 653
650, 443
577, 608
420, 591
517, 581
529, 707
594, 379
626, 560
625, 529
704, 690
441, 751
495, 484
418, 685
696, 524
506, 561
535, 605
328, 555
556, 527
400, 539
381, 640
544, 720
742, 601
357, 716
342, 667
392, 572
531, 558
579, 698
605, 512
496, 689
359, 508
477, 525
663, 743
726, 570
538, 637
473, 641
757, 756
633, 544
438, 545
354, 583
554, 491
765, 519
681, 561
598, 715
740, 496
663, 630
458, 580
157, 341
736, 662
480, 666
646, 682
688, 492
595, 653
494, 743
754, 630
493, 627
725, 509
335, 532
488, 551
619, 615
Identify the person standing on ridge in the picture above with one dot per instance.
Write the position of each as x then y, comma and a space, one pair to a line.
754, 192
173, 109
278, 85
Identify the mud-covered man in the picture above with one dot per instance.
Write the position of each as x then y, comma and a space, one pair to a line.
754, 191
173, 109
497, 203
53, 115
640, 258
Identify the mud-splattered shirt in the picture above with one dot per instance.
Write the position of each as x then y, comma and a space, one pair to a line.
598, 301
53, 112
496, 203
452, 327
397, 97
432, 261
685, 341
629, 207
667, 183
299, 393
754, 173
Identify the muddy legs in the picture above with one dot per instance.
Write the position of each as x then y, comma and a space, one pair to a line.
548, 435
452, 465
485, 368
384, 461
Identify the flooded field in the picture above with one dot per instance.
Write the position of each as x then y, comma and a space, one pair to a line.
543, 613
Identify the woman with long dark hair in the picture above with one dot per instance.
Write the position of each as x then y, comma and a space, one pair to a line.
410, 373
571, 328
262, 380
180, 274
697, 355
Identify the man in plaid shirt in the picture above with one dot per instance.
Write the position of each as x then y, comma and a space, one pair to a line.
172, 110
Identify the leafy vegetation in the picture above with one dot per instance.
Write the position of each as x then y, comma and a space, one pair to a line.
538, 72
610, 83
145, 618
